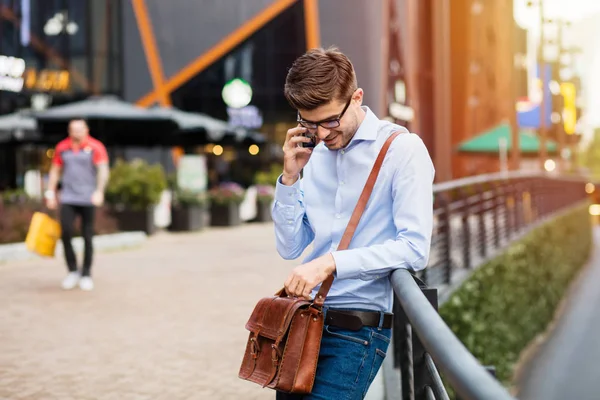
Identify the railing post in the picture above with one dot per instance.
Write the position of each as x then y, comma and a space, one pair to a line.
543, 200
498, 200
444, 230
422, 378
466, 229
534, 191
526, 203
409, 352
509, 205
481, 188
518, 209
403, 360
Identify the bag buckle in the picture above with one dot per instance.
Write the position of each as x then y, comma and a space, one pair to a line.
254, 348
275, 354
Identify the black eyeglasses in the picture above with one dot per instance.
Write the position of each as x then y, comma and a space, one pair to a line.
328, 123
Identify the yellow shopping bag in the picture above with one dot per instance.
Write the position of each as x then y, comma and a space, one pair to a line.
44, 232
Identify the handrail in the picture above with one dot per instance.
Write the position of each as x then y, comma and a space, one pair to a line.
467, 376
500, 176
477, 179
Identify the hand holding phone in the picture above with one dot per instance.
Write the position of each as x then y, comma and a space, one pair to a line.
313, 140
295, 153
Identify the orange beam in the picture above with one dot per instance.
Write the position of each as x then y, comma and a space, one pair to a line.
219, 50
151, 51
311, 24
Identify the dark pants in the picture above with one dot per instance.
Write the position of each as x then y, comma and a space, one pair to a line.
68, 213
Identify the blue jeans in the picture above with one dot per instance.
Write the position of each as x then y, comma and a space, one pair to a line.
348, 363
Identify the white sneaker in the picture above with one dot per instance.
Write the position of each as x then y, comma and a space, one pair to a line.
86, 283
70, 281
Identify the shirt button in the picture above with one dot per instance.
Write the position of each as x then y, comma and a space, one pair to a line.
342, 183
342, 151
338, 216
290, 222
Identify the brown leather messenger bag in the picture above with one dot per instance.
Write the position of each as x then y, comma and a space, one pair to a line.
285, 332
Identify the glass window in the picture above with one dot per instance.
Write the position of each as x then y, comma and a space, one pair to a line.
262, 60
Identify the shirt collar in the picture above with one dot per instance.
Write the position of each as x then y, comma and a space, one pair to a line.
85, 142
369, 127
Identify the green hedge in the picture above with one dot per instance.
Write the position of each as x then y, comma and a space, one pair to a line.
511, 299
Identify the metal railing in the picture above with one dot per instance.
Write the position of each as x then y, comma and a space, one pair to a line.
474, 219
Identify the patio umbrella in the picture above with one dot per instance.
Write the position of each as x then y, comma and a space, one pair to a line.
18, 126
193, 128
198, 129
112, 120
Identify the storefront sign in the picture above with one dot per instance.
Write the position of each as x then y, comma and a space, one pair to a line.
15, 77
569, 113
47, 80
246, 117
192, 173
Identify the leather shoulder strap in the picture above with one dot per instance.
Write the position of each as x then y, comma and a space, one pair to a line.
357, 214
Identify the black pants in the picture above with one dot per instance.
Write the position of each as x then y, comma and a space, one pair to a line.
68, 213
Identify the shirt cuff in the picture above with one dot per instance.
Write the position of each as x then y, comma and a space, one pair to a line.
347, 264
287, 195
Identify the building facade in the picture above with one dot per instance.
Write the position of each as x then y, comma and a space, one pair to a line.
53, 52
183, 53
439, 67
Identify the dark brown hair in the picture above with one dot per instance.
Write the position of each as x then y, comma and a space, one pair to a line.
318, 77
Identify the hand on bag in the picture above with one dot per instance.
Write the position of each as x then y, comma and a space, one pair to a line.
295, 156
97, 198
304, 278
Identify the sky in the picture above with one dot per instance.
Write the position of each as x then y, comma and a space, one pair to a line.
585, 32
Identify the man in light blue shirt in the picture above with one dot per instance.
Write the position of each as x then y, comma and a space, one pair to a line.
394, 231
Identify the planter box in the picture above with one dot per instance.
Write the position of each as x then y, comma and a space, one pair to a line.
135, 220
263, 211
187, 218
225, 214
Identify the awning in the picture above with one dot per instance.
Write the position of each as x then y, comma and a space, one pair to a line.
112, 120
489, 141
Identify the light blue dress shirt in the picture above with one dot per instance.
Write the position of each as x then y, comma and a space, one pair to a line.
395, 228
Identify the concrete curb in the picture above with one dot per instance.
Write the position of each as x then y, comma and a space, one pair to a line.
114, 241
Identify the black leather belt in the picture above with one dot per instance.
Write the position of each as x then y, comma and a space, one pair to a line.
355, 320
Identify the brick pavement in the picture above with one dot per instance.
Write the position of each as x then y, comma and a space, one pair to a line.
166, 321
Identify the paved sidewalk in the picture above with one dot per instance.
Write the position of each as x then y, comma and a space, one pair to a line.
568, 364
166, 321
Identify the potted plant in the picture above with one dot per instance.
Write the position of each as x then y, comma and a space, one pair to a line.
265, 182
188, 210
132, 192
264, 199
225, 201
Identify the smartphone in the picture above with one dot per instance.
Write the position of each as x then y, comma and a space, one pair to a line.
313, 140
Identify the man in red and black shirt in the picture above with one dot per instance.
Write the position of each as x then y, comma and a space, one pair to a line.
83, 163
